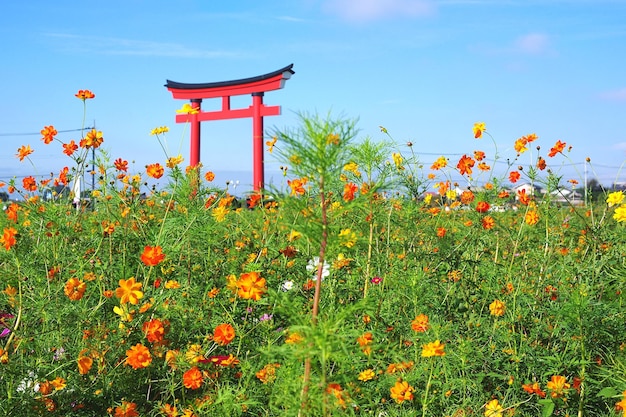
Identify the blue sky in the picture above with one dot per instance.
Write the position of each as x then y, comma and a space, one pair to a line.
424, 69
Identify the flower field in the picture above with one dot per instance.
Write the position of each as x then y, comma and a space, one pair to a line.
369, 283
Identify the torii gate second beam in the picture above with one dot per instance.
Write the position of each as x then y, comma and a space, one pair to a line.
255, 86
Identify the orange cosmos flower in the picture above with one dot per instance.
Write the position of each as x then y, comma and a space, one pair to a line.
70, 148
155, 170
349, 190
11, 212
541, 163
365, 340
127, 409
488, 222
270, 144
558, 385
121, 165
497, 308
433, 349
479, 128
557, 148
483, 166
192, 379
336, 390
223, 334
441, 231
482, 207
467, 197
85, 95
534, 389
8, 237
138, 356
154, 330
48, 133
251, 286
402, 391
520, 146
129, 291
531, 217
23, 152
523, 197
93, 139
74, 289
465, 165
479, 155
420, 323
441, 162
267, 374
209, 176
297, 186
514, 176
29, 184
84, 364
619, 406
152, 255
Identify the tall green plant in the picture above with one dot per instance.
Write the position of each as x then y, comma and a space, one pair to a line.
316, 152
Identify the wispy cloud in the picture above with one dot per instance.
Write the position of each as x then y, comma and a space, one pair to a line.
528, 44
290, 19
614, 95
532, 44
121, 46
371, 10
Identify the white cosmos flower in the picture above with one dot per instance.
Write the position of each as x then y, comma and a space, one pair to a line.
312, 267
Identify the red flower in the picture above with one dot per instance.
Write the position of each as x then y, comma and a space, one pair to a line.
482, 207
152, 255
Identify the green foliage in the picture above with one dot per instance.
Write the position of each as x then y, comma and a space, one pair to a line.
527, 312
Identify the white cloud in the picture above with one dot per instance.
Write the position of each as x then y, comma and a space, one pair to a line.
533, 44
614, 95
369, 10
120, 46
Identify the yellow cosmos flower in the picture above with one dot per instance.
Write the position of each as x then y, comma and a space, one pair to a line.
620, 213
615, 198
433, 349
347, 238
129, 291
497, 308
493, 409
174, 160
367, 375
159, 130
187, 109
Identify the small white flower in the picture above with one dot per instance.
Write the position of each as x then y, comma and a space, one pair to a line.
313, 265
287, 285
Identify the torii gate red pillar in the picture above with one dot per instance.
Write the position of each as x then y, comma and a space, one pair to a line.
256, 86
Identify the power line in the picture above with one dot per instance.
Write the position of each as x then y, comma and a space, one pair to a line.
39, 133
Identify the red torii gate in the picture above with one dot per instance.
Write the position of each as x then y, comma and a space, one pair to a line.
256, 86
